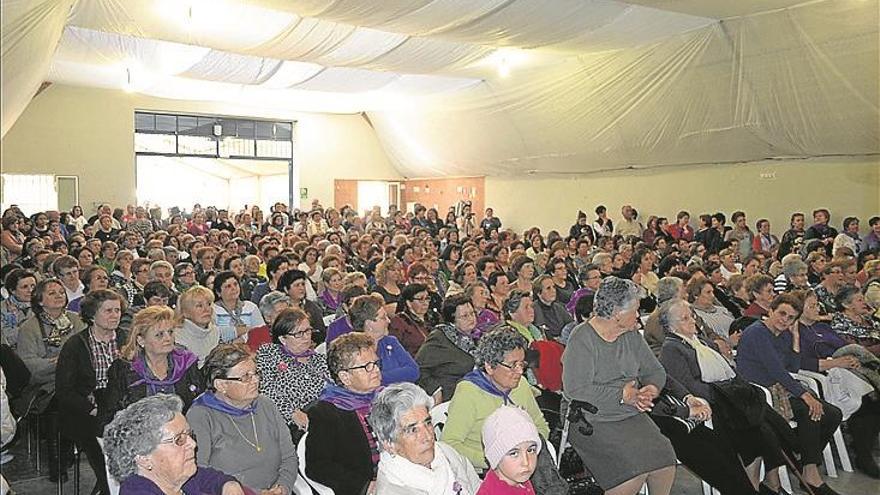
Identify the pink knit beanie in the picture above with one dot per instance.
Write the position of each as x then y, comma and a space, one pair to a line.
504, 429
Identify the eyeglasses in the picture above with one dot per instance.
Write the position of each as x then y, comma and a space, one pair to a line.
180, 439
368, 367
248, 377
516, 366
421, 299
302, 333
187, 273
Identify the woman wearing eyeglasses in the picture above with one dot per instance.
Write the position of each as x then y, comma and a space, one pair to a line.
409, 324
293, 374
151, 449
341, 448
149, 363
241, 432
495, 381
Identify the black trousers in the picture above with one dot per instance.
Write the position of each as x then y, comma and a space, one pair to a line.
814, 435
708, 454
768, 440
864, 426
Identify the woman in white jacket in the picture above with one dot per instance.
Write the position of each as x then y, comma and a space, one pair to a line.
411, 461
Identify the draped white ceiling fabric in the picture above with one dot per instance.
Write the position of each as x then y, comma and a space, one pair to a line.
463, 87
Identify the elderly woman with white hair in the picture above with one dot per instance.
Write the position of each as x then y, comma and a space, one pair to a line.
150, 449
743, 422
608, 364
411, 462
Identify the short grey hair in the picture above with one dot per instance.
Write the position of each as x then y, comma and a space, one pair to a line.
671, 312
268, 302
793, 266
668, 288
495, 344
614, 296
137, 431
390, 404
159, 264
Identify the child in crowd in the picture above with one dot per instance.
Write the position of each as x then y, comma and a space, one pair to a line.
511, 444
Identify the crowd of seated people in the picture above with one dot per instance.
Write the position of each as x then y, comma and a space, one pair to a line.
251, 333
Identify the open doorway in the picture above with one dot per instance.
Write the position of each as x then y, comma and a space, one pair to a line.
233, 184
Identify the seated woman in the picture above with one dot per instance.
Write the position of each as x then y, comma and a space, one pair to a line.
523, 268
411, 462
389, 277
197, 332
340, 419
701, 295
233, 317
448, 353
293, 374
479, 296
512, 445
519, 314
367, 314
608, 364
496, 381
271, 305
16, 308
331, 296
696, 364
408, 324
768, 351
150, 364
42, 334
818, 342
93, 277
854, 322
294, 283
241, 431
151, 449
81, 377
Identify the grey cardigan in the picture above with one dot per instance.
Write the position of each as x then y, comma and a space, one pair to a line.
596, 371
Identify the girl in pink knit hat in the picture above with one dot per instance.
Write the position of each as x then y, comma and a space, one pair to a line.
511, 444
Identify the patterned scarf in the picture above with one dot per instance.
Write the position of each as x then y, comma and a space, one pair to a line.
58, 329
461, 340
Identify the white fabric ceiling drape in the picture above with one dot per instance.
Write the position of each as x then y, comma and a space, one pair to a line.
29, 32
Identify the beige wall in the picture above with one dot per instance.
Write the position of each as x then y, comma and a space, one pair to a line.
845, 186
90, 133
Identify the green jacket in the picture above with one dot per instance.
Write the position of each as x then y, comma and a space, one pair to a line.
469, 409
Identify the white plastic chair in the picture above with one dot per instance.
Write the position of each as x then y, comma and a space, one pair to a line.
439, 414
839, 445
301, 454
322, 348
111, 482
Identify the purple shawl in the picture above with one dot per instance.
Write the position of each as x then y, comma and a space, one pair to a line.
347, 400
180, 360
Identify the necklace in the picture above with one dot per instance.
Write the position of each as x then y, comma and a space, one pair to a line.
256, 443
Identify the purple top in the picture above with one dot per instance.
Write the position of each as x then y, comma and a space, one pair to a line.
340, 326
818, 341
206, 481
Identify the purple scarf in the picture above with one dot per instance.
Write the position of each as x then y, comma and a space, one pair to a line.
209, 400
296, 356
483, 382
346, 399
330, 301
180, 361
